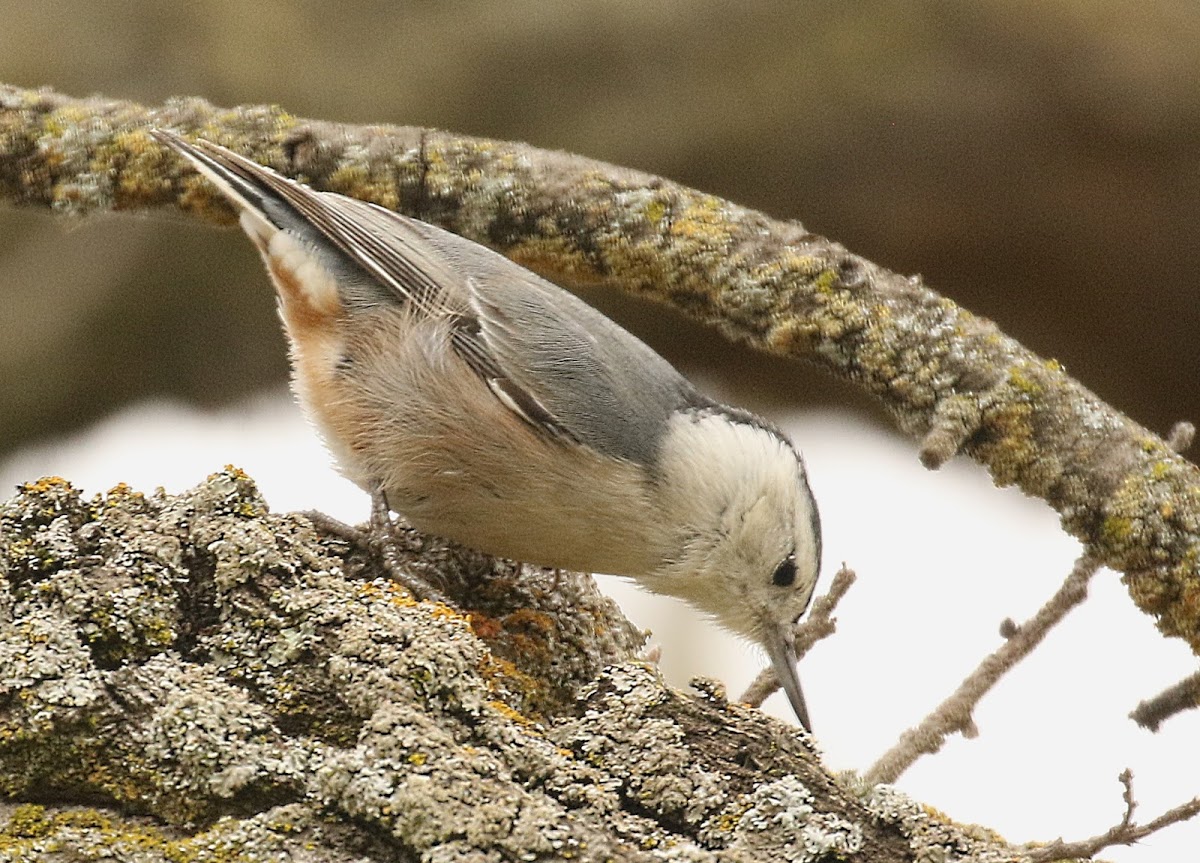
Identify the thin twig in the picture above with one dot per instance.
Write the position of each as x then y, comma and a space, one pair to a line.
954, 714
819, 624
1184, 695
1124, 833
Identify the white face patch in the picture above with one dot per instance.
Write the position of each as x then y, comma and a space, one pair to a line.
738, 494
733, 472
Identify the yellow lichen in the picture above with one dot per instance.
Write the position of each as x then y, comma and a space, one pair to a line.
120, 494
499, 673
46, 485
1024, 383
28, 821
512, 715
825, 280
1116, 530
556, 259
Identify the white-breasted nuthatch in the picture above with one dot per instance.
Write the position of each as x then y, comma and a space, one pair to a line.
493, 408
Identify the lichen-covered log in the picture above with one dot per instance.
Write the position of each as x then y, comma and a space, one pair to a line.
949, 377
191, 677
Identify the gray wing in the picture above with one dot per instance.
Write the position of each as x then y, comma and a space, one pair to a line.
556, 361
562, 366
600, 383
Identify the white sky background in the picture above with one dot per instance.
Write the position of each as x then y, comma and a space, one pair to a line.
941, 559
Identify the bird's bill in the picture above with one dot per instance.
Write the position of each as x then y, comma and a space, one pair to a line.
782, 651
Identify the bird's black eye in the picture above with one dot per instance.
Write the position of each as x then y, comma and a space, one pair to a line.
785, 573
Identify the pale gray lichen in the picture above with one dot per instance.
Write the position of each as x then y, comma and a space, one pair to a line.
650, 753
193, 678
933, 837
779, 822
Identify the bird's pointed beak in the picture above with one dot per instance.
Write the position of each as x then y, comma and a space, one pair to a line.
782, 651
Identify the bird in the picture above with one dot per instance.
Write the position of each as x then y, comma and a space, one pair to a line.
491, 407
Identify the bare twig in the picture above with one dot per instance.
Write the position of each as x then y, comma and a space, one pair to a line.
819, 624
946, 376
1124, 833
1184, 695
954, 714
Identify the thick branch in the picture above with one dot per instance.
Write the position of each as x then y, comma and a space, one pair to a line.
950, 378
241, 683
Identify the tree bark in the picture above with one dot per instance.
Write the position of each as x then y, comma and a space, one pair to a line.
187, 677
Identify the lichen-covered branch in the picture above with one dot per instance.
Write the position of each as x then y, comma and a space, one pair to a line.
193, 678
949, 377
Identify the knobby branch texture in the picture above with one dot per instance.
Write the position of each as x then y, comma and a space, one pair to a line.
951, 379
192, 678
